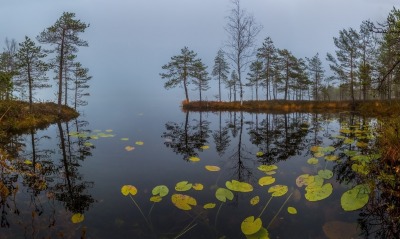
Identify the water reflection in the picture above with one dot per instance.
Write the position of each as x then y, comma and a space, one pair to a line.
38, 180
271, 139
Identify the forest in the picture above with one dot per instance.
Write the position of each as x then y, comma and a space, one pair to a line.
364, 66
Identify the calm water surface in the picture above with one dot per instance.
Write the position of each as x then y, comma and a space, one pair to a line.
80, 167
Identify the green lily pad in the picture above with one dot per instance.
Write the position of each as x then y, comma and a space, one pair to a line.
156, 198
160, 190
361, 144
209, 205
361, 158
261, 234
259, 154
350, 153
278, 190
312, 161
318, 182
267, 180
328, 149
292, 210
319, 154
183, 186
222, 194
331, 157
237, 186
318, 193
360, 168
183, 202
267, 168
304, 179
355, 198
348, 141
250, 225
325, 174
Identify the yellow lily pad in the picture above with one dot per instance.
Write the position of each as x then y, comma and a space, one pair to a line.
198, 186
139, 143
156, 198
267, 168
183, 186
331, 157
194, 159
259, 154
77, 218
237, 186
250, 225
212, 168
183, 202
128, 189
261, 234
255, 200
267, 180
304, 179
278, 190
205, 147
129, 148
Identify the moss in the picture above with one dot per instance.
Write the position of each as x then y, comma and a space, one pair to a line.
15, 116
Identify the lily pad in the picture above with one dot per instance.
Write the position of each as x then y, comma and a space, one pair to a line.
278, 190
250, 225
205, 147
261, 234
267, 180
156, 198
222, 194
124, 139
325, 174
350, 153
129, 148
209, 205
360, 168
198, 186
318, 193
319, 154
160, 190
348, 141
237, 186
259, 154
328, 149
183, 186
316, 149
77, 218
331, 157
312, 161
194, 159
304, 179
129, 189
212, 168
183, 202
267, 168
292, 210
255, 200
355, 198
139, 143
362, 144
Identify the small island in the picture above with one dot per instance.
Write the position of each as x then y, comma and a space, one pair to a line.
16, 116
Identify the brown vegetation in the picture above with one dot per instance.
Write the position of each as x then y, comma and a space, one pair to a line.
15, 116
370, 107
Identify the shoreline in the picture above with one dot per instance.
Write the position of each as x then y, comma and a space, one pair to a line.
363, 107
15, 116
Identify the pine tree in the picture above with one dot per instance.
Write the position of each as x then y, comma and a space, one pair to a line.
31, 67
316, 72
200, 77
179, 70
267, 54
64, 36
220, 70
255, 75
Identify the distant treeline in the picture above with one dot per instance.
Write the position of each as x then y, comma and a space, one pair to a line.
365, 65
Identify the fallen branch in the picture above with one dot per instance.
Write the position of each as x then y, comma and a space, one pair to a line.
5, 113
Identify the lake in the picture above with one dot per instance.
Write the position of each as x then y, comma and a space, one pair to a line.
150, 174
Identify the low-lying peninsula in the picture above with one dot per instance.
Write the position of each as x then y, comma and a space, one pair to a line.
17, 116
365, 107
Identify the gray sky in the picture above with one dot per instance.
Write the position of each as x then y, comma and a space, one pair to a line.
131, 39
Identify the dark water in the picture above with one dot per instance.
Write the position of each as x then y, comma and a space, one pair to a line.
68, 173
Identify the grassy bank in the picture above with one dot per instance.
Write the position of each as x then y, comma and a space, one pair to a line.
370, 107
15, 116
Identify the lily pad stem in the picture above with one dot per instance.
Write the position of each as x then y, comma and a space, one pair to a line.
133, 200
266, 205
280, 209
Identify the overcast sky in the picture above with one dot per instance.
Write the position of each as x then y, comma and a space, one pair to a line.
129, 40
